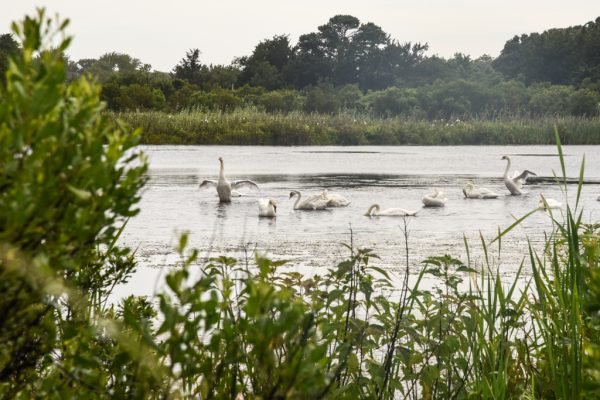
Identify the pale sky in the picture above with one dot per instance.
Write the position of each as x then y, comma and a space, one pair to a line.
160, 32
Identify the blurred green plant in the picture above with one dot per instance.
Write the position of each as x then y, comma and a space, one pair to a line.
69, 180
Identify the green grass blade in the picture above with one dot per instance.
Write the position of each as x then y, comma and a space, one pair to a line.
513, 225
580, 183
561, 156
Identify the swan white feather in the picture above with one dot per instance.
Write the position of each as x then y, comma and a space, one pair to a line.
315, 202
225, 189
375, 211
546, 204
515, 182
473, 192
435, 199
267, 208
335, 200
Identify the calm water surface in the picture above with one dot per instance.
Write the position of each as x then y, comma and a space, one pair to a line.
390, 176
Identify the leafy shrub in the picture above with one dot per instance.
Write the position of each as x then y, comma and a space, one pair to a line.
280, 101
217, 99
584, 103
321, 99
66, 188
391, 102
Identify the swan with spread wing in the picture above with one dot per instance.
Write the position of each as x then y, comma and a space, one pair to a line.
224, 187
514, 183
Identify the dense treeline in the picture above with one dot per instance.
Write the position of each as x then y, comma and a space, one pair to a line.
347, 65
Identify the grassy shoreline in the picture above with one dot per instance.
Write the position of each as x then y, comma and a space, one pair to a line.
254, 127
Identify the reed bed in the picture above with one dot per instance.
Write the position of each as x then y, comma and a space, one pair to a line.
250, 126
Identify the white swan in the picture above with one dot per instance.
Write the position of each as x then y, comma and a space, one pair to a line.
546, 204
515, 182
473, 192
316, 202
335, 200
224, 187
435, 199
374, 211
267, 208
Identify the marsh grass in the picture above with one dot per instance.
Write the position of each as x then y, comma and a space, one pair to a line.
250, 126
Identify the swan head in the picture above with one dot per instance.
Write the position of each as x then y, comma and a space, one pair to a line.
505, 158
221, 160
370, 210
274, 204
467, 188
294, 193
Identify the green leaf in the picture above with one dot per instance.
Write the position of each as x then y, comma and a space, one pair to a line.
80, 193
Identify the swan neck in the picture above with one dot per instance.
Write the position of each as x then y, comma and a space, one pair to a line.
297, 200
507, 168
373, 207
221, 170
467, 189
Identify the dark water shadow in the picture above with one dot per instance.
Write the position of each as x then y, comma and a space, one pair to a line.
221, 210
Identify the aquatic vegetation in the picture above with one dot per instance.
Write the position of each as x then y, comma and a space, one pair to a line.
251, 126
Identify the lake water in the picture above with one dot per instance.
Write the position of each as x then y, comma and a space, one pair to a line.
396, 176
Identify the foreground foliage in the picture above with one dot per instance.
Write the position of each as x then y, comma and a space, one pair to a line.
229, 330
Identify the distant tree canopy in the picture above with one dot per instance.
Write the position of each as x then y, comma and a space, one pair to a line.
206, 77
108, 65
559, 56
341, 52
347, 64
265, 67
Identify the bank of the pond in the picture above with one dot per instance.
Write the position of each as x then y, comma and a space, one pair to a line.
254, 127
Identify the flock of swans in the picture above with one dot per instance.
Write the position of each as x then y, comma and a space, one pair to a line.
268, 207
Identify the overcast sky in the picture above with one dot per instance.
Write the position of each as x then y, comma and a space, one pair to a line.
160, 32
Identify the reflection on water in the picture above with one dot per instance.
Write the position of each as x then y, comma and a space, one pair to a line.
390, 176
221, 210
